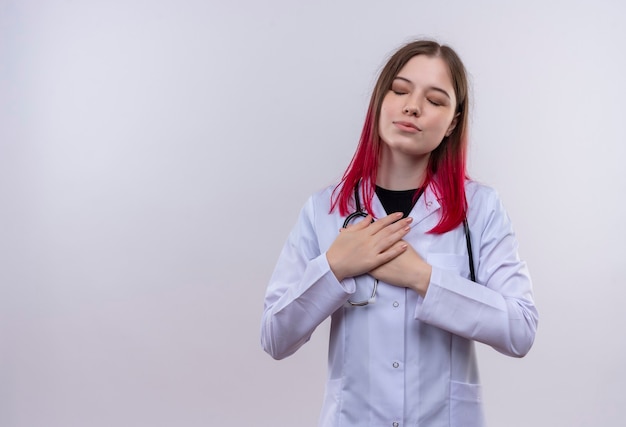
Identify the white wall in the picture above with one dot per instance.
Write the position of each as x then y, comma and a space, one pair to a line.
154, 155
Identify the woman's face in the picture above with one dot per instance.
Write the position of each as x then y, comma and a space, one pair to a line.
419, 110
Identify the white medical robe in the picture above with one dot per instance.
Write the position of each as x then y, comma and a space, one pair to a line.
404, 360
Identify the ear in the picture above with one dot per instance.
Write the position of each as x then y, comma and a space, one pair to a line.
455, 120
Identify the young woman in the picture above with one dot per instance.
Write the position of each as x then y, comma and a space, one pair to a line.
429, 267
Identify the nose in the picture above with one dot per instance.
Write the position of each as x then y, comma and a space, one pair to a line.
412, 110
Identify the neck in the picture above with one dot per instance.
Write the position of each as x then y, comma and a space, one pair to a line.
396, 172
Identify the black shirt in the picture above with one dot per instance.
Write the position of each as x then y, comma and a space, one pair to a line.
398, 200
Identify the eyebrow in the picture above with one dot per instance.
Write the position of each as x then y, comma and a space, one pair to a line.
438, 89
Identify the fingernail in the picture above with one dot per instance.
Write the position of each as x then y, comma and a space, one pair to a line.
409, 219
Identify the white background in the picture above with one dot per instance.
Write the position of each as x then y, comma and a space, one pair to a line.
155, 154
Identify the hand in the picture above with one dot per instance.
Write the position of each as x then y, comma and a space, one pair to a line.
407, 270
367, 245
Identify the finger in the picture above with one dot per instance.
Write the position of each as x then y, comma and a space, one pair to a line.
392, 234
384, 222
395, 231
393, 251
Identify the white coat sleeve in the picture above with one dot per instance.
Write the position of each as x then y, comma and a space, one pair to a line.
498, 310
302, 292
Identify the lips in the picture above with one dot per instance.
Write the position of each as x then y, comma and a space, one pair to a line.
407, 126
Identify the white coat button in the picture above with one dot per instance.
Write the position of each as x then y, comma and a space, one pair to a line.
396, 364
395, 424
396, 303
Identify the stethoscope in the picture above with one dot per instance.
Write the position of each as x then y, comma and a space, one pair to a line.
359, 213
